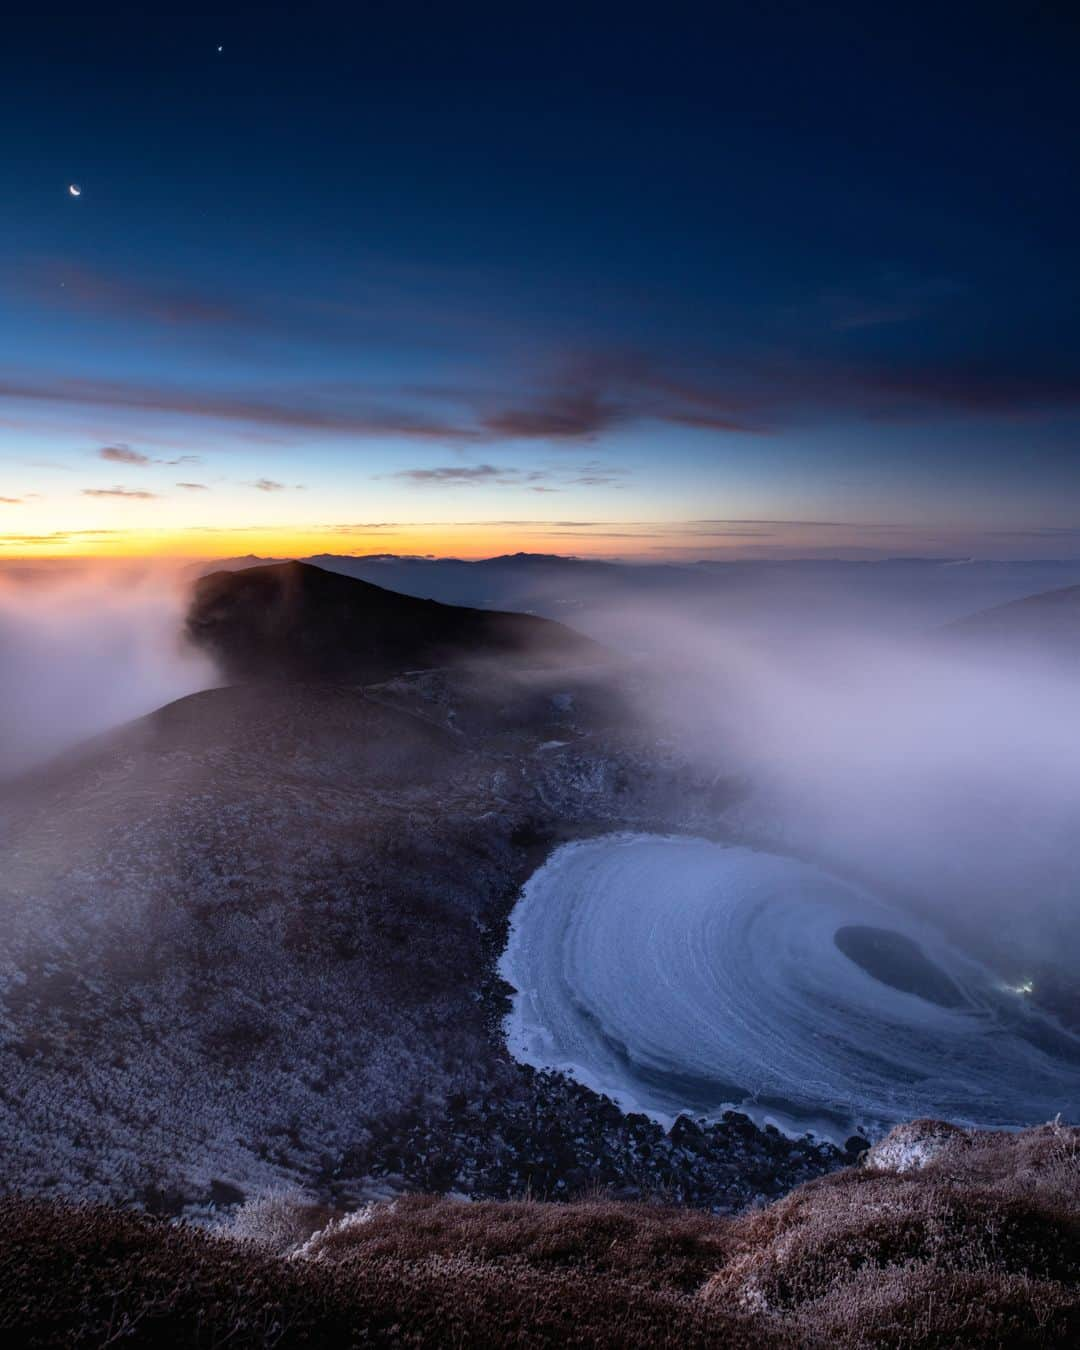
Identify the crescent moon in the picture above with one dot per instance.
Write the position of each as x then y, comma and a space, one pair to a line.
75, 190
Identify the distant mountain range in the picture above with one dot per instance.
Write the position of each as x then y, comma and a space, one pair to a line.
899, 596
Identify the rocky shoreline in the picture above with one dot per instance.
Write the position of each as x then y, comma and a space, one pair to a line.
541, 1135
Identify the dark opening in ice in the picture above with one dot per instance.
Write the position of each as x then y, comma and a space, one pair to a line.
899, 962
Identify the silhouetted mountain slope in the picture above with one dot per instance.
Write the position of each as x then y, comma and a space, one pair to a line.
1039, 626
295, 621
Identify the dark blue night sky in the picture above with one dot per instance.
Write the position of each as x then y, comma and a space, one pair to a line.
764, 279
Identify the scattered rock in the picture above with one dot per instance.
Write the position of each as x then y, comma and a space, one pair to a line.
911, 1146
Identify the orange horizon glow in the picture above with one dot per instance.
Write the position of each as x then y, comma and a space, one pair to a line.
471, 541
640, 540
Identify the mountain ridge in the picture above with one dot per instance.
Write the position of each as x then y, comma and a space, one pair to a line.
296, 620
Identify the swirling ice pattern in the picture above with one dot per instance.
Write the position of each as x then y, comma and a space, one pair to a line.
679, 975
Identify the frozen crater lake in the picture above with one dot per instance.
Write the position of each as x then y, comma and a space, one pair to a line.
678, 975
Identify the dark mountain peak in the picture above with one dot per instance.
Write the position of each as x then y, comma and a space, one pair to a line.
296, 621
523, 557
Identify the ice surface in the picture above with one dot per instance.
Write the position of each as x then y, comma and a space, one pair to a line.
680, 975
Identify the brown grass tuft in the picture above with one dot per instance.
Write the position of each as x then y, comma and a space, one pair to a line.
978, 1244
651, 1246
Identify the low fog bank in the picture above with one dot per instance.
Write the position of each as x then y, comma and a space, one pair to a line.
84, 649
942, 773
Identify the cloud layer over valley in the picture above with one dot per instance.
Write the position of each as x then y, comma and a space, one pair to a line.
85, 648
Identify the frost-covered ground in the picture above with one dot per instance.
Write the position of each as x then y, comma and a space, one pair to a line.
247, 943
678, 975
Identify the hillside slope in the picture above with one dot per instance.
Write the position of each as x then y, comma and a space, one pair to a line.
295, 621
250, 939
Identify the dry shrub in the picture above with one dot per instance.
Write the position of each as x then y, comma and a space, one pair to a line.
1041, 1165
978, 1245
653, 1246
798, 1250
279, 1221
935, 1309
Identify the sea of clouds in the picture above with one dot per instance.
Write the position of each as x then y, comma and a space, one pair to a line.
83, 649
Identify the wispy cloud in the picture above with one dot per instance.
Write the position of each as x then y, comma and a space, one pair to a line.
534, 480
316, 409
567, 406
596, 479
63, 284
558, 414
193, 487
54, 537
457, 475
11, 501
272, 485
125, 454
892, 297
581, 399
366, 527
133, 493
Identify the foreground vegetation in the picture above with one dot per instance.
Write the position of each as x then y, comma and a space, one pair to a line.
941, 1238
